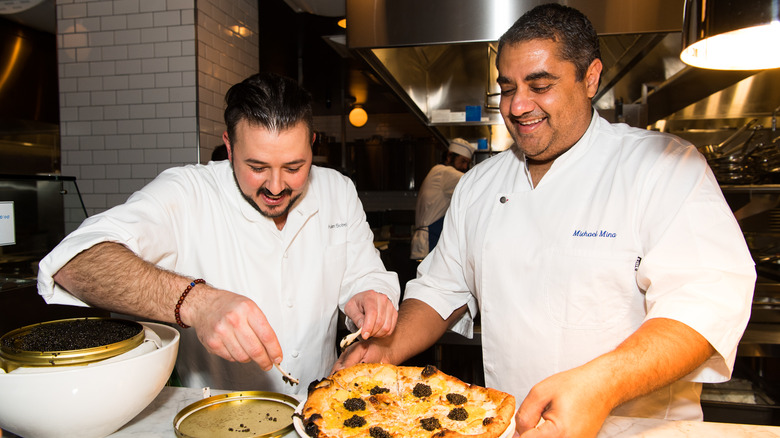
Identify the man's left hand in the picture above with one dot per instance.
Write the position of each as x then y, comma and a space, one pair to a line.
373, 312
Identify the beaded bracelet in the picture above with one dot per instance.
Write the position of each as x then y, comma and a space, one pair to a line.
181, 301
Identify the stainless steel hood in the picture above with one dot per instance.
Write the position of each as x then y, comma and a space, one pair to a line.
439, 55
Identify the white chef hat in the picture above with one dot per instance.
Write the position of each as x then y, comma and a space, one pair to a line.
461, 147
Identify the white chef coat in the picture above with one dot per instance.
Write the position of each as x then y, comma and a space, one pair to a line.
433, 199
626, 226
193, 220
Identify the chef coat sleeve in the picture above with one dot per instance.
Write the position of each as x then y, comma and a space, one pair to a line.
696, 268
364, 267
144, 224
445, 277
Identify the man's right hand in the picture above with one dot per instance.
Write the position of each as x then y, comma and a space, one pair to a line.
231, 326
373, 350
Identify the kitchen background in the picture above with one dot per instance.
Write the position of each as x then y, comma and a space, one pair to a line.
98, 97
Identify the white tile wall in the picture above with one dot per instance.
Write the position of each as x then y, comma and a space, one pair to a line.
129, 92
228, 47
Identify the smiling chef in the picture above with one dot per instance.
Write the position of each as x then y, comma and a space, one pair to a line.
610, 273
257, 253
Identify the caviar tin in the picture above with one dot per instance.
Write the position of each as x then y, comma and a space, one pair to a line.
237, 414
15, 353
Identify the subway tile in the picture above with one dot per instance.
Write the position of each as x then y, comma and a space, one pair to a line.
86, 24
120, 170
73, 11
91, 113
102, 98
129, 185
115, 52
142, 81
77, 128
142, 141
108, 185
168, 49
116, 112
160, 155
126, 7
129, 126
117, 82
105, 127
167, 18
76, 70
128, 67
129, 96
68, 114
105, 157
137, 51
89, 54
154, 65
170, 140
103, 68
119, 142
144, 111
182, 63
185, 155
113, 22
183, 124
95, 203
79, 157
92, 143
129, 36
65, 56
92, 171
97, 39
99, 8
152, 5
181, 33
156, 95
89, 84
168, 110
180, 4
168, 80
144, 170
156, 126
136, 21
154, 35
182, 94
74, 40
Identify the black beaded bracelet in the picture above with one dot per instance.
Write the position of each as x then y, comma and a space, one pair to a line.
181, 301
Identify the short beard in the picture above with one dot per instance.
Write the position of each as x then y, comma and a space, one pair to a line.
254, 205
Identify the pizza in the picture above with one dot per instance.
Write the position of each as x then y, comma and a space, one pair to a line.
383, 401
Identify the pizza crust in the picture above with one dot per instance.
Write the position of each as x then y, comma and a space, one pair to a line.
382, 401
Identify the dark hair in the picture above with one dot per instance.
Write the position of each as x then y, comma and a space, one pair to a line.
269, 100
553, 21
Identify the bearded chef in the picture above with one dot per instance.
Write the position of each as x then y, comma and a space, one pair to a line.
434, 196
258, 253
611, 275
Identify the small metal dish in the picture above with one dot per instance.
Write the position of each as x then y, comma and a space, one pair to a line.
237, 414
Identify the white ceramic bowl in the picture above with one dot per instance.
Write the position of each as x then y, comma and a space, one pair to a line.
86, 401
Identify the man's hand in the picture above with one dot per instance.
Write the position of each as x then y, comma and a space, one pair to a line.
569, 403
373, 312
375, 350
231, 326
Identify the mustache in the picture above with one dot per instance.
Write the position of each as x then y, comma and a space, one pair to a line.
266, 192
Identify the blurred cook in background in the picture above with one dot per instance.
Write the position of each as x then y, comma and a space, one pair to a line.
435, 194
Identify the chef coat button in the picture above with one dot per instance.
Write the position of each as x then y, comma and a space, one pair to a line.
290, 304
503, 200
295, 354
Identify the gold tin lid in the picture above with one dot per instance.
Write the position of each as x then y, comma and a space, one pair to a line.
15, 352
237, 414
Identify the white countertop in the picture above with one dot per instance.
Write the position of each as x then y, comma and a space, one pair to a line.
157, 421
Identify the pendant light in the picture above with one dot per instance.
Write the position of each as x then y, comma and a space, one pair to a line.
358, 116
731, 34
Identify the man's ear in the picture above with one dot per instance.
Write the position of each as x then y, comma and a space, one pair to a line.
226, 141
592, 76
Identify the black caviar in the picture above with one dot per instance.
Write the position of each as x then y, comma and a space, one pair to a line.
355, 421
456, 399
378, 390
458, 414
354, 404
74, 334
378, 432
421, 390
430, 424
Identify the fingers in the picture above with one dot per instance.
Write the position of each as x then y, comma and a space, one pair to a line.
354, 354
373, 312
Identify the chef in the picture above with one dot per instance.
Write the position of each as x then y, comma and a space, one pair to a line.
258, 254
611, 274
434, 196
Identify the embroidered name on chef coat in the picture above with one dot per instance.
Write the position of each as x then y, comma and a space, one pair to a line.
600, 233
341, 225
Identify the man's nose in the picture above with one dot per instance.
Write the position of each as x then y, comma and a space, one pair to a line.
274, 183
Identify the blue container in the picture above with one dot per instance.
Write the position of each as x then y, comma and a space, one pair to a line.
473, 113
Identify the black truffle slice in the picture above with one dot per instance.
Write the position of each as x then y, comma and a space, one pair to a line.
355, 421
430, 424
378, 390
378, 432
456, 399
421, 390
458, 414
428, 371
354, 404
